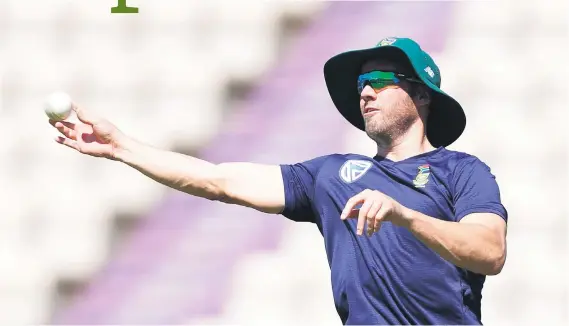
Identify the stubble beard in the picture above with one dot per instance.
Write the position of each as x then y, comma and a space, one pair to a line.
387, 126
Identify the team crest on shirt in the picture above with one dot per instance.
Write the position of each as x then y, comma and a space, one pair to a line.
353, 170
423, 176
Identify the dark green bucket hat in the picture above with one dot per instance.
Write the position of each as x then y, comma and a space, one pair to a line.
446, 120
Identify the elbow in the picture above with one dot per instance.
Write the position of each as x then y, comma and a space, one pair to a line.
222, 195
210, 191
214, 188
214, 193
496, 266
495, 262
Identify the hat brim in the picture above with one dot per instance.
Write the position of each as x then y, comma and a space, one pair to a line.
446, 120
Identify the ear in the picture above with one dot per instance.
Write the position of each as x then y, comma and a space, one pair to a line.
423, 95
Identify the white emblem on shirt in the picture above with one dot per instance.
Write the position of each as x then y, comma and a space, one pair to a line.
353, 170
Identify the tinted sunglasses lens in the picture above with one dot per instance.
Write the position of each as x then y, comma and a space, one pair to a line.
377, 80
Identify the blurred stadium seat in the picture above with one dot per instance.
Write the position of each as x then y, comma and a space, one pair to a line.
165, 76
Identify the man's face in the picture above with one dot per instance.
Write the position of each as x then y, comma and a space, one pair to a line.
388, 112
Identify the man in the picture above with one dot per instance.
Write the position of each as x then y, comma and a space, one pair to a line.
410, 234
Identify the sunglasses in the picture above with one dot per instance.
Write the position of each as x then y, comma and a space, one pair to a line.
380, 79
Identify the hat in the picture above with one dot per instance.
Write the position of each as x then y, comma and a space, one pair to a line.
446, 120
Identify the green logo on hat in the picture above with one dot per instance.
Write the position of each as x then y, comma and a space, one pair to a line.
387, 41
446, 116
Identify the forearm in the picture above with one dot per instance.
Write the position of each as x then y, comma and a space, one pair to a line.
181, 172
466, 245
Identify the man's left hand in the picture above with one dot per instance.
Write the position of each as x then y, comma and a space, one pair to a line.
376, 208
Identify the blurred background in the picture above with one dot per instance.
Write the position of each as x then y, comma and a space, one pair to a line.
89, 241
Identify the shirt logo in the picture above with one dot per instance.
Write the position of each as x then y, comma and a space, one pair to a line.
423, 176
353, 170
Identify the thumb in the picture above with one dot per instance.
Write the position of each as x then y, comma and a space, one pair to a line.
85, 116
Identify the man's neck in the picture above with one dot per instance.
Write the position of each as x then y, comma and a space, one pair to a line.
413, 142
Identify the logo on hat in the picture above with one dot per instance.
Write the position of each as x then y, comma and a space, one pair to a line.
430, 71
353, 170
387, 41
423, 176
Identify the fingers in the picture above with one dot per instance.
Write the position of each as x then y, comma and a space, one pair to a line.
379, 218
84, 116
370, 214
354, 213
373, 211
351, 204
367, 214
372, 223
67, 142
362, 216
65, 128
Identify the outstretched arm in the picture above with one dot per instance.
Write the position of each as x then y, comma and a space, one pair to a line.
247, 184
253, 185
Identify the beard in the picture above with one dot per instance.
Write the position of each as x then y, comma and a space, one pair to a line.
391, 122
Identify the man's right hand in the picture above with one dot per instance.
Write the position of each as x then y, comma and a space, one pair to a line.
92, 135
252, 185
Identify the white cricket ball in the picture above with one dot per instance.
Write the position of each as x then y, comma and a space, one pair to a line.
58, 106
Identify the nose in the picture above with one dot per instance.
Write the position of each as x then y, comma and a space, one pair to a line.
368, 93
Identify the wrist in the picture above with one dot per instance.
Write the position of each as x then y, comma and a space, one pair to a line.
123, 147
408, 216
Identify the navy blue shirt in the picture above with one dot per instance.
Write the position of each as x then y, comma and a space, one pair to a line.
392, 277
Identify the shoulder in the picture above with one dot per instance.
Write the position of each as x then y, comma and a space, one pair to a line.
455, 168
315, 166
340, 160
467, 169
458, 161
335, 163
